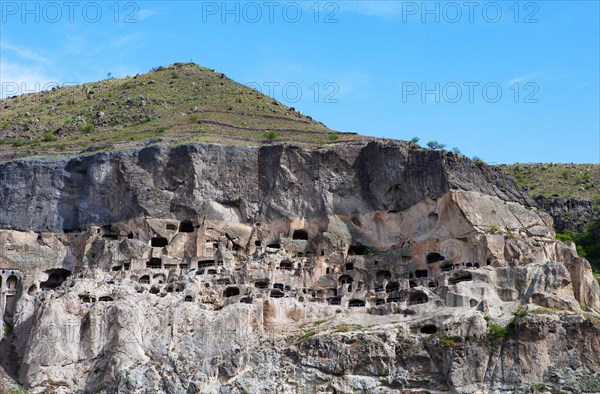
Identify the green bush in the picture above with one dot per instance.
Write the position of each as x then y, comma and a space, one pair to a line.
307, 335
49, 137
270, 135
88, 128
587, 247
566, 236
521, 312
497, 333
448, 341
333, 136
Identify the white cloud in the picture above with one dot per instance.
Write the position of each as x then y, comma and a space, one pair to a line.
17, 78
23, 53
22, 70
522, 78
144, 14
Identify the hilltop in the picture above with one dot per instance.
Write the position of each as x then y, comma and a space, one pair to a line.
181, 103
580, 181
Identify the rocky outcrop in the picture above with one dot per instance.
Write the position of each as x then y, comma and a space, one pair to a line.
369, 267
184, 181
572, 214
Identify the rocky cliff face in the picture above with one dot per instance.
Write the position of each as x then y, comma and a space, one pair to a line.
572, 213
363, 267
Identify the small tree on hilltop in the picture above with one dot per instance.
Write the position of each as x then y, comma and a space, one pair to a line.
413, 143
435, 145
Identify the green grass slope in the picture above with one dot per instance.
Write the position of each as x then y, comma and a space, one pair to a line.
178, 104
581, 181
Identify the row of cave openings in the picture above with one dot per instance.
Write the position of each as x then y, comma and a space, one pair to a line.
391, 286
278, 291
185, 226
435, 257
56, 277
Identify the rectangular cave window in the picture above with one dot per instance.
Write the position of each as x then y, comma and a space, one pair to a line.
206, 263
159, 242
300, 234
358, 249
356, 303
155, 263
257, 242
262, 285
186, 226
421, 273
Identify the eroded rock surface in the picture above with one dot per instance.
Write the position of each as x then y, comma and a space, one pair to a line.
365, 267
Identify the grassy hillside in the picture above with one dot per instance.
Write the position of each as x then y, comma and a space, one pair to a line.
179, 103
558, 180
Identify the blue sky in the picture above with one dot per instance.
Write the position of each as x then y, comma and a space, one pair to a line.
505, 81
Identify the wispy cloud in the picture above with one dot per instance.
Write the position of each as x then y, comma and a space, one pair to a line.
21, 52
145, 14
23, 70
523, 78
17, 78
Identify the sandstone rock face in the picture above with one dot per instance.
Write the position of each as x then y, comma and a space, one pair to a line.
365, 267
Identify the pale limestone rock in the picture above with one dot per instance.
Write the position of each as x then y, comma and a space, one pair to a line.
358, 268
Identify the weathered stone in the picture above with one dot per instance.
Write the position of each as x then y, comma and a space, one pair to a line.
219, 269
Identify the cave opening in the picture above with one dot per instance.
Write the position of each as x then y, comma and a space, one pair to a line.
159, 242
56, 277
154, 263
434, 257
358, 249
300, 235
392, 286
428, 329
186, 226
276, 293
356, 303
